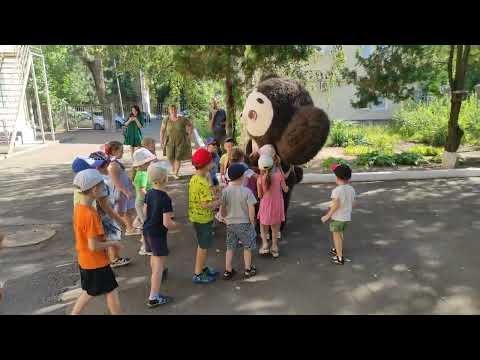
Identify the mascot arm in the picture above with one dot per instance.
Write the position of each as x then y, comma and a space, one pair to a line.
304, 136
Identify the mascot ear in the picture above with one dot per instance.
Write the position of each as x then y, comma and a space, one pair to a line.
304, 136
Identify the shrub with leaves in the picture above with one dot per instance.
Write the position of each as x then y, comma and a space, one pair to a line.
426, 150
344, 133
380, 159
327, 163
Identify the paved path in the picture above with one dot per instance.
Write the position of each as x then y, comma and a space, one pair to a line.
413, 246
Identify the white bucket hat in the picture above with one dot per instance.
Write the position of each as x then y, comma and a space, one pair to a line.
142, 156
87, 179
267, 149
265, 162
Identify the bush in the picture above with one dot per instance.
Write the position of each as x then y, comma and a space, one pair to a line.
380, 159
426, 150
428, 122
344, 133
358, 149
327, 163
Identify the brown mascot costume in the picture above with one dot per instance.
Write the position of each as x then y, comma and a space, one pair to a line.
280, 112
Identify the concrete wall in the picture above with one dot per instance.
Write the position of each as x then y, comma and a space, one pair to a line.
337, 102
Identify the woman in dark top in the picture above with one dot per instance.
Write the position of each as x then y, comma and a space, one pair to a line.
133, 132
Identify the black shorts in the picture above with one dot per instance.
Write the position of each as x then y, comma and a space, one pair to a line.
156, 244
98, 281
204, 235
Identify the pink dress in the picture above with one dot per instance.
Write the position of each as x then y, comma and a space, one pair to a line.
272, 211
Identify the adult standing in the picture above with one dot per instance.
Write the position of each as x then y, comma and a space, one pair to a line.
218, 121
176, 138
133, 133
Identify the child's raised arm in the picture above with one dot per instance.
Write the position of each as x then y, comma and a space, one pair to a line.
284, 185
103, 202
95, 244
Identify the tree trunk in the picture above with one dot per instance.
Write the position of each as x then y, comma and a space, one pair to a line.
455, 133
230, 101
96, 68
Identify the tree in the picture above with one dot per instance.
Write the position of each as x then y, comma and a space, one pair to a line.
398, 71
235, 66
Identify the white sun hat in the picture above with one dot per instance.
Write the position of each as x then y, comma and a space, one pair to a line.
87, 179
142, 156
265, 162
267, 149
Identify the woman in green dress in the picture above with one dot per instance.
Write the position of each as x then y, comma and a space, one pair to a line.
175, 138
133, 132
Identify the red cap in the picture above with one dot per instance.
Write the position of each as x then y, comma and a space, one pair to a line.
201, 158
334, 166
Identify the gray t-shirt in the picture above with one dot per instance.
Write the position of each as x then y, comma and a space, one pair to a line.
236, 199
346, 196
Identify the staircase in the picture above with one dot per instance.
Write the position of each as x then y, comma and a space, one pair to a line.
15, 65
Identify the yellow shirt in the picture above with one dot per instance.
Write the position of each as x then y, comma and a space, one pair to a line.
199, 192
223, 161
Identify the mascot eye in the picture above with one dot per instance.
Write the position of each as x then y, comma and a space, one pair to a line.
260, 100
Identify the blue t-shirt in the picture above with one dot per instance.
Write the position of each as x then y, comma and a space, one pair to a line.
219, 120
158, 203
215, 168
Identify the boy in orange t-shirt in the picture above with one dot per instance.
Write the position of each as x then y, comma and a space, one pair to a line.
96, 275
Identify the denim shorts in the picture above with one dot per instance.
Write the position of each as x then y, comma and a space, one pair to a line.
241, 232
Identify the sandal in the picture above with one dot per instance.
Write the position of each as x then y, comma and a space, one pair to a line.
250, 272
227, 275
120, 262
333, 252
338, 260
264, 251
275, 253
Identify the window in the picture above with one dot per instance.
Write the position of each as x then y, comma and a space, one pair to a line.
323, 49
382, 106
366, 50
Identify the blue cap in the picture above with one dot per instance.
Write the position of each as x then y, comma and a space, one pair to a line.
83, 163
211, 140
235, 171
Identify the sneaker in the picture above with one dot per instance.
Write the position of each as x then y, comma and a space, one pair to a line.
120, 262
203, 278
159, 300
143, 252
227, 275
211, 271
134, 232
250, 272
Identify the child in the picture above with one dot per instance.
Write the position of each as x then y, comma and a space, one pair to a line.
141, 160
122, 186
224, 160
104, 203
201, 205
271, 213
212, 148
158, 220
238, 209
149, 144
97, 277
340, 211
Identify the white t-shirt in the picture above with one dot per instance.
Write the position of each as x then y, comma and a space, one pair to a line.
346, 195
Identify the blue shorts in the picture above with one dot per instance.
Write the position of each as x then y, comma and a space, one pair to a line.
156, 244
122, 204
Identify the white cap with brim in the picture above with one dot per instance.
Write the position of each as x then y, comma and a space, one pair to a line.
142, 156
87, 179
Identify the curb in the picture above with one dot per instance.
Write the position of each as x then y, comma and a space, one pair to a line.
310, 178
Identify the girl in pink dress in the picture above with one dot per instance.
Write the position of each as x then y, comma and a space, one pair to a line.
271, 214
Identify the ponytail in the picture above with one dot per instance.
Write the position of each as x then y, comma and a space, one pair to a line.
268, 178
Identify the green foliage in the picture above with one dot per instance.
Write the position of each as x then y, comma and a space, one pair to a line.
428, 122
327, 163
426, 150
380, 159
344, 133
358, 149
